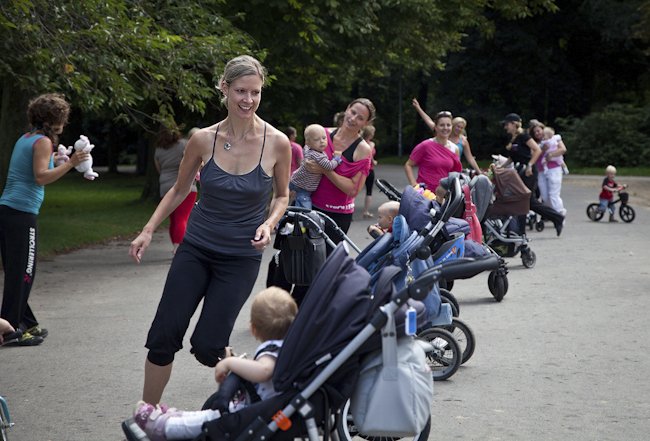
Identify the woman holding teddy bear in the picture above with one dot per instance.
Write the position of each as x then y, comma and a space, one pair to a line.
31, 168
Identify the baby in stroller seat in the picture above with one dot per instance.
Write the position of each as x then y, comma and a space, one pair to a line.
385, 215
272, 312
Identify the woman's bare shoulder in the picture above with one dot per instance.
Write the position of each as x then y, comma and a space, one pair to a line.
363, 150
277, 138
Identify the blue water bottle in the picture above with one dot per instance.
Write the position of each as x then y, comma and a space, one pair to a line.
411, 320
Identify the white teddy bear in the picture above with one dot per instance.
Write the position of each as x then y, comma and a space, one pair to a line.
86, 167
62, 155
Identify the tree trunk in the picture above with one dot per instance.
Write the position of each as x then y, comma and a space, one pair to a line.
151, 190
13, 120
112, 149
421, 130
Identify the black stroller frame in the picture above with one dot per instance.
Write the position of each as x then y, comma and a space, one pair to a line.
497, 231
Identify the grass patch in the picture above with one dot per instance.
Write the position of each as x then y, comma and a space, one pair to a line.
77, 212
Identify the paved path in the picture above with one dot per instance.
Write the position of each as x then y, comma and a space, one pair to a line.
566, 355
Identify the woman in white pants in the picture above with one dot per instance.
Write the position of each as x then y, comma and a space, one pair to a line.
549, 179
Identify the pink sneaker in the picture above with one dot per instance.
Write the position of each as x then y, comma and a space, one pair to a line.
151, 419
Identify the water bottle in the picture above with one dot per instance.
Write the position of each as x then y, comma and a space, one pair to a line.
411, 320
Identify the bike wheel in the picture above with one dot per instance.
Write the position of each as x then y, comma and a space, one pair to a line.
627, 213
5, 420
464, 336
445, 294
446, 356
593, 213
347, 431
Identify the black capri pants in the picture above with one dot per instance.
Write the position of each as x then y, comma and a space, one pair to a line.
370, 182
223, 282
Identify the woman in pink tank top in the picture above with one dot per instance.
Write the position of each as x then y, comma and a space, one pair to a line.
338, 188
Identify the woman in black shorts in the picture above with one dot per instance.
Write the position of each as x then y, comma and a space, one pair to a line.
246, 159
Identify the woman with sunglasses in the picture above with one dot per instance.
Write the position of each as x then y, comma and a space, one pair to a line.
435, 157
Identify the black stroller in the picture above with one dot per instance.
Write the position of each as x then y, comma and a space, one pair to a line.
326, 352
511, 198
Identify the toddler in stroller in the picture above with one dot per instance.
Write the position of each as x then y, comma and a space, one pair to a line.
272, 312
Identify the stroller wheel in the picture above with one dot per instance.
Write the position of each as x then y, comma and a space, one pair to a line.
464, 337
446, 284
528, 257
346, 429
446, 357
498, 285
593, 213
447, 297
539, 226
627, 213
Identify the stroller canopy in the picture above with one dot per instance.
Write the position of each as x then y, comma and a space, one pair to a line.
334, 310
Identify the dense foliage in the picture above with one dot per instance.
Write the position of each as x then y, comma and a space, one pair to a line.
129, 64
619, 134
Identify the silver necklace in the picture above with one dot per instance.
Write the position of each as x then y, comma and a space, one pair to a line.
228, 145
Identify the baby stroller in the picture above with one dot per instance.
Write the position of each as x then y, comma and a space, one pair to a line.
480, 190
511, 198
329, 356
411, 251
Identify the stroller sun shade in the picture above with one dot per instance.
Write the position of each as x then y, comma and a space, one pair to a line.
512, 195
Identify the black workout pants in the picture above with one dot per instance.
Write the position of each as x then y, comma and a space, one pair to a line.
18, 238
222, 282
535, 205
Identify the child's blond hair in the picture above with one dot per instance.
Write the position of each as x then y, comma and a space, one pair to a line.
390, 207
313, 132
610, 169
548, 131
272, 312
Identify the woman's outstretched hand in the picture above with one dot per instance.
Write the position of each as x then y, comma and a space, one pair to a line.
139, 245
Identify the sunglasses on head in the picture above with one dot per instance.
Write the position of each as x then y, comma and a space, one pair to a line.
444, 113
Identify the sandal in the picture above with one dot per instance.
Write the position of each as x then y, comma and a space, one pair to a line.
367, 215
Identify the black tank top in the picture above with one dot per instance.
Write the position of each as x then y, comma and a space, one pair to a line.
230, 208
349, 152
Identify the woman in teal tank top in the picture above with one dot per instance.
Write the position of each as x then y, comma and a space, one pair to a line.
31, 168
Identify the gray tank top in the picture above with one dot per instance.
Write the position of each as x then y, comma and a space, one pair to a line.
230, 209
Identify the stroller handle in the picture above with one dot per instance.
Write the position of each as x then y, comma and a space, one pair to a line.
450, 207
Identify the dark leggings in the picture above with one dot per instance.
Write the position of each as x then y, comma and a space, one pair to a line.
535, 205
370, 182
222, 282
18, 240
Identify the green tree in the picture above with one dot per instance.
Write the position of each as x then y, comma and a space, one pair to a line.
135, 61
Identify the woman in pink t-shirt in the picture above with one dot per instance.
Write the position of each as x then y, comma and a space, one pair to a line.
338, 188
436, 157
